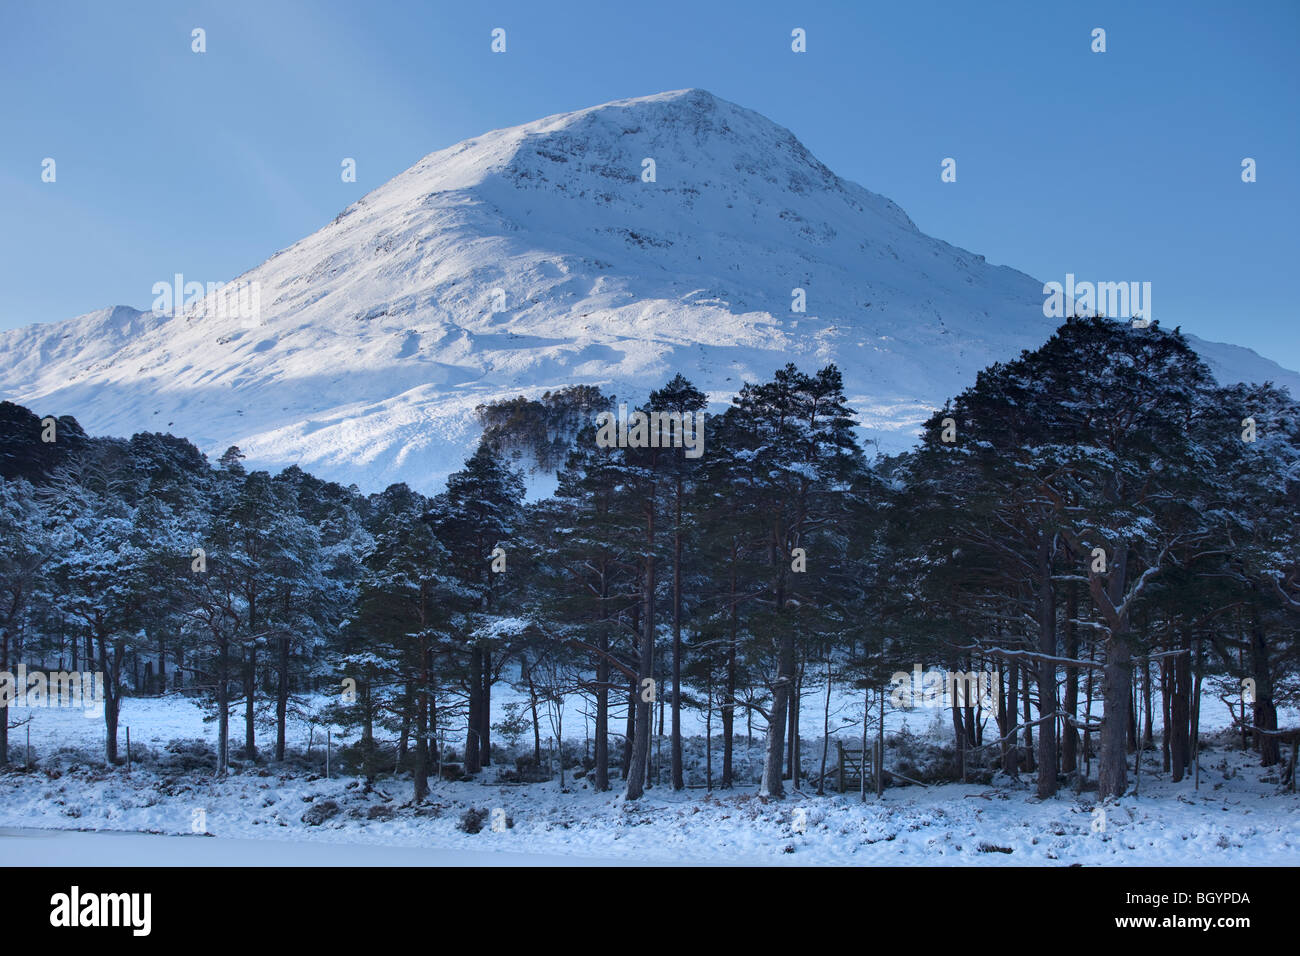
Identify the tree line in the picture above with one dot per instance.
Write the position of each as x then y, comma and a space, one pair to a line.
1097, 524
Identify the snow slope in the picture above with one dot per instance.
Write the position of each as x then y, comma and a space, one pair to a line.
380, 333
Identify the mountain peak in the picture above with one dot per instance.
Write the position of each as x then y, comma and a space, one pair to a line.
610, 246
667, 106
692, 136
668, 122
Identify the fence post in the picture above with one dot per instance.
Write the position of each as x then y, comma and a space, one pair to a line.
880, 748
128, 751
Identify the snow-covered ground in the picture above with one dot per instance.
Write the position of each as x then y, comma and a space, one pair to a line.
1234, 820
264, 815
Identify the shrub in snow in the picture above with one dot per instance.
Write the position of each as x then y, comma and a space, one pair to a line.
186, 755
472, 820
352, 757
67, 760
526, 771
318, 813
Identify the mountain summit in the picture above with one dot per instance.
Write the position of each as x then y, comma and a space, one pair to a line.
611, 246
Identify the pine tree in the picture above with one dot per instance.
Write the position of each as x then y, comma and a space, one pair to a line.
476, 519
679, 397
25, 550
792, 455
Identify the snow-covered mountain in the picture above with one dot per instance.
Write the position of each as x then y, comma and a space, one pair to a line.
536, 257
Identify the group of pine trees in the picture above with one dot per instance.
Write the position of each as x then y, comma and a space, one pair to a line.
1097, 523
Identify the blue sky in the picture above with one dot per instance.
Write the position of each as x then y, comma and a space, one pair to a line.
1117, 166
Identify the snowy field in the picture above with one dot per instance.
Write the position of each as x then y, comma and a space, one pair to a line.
263, 816
155, 721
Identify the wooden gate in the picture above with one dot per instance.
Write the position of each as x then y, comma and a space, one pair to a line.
854, 766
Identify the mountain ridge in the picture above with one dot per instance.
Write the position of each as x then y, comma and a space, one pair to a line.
381, 331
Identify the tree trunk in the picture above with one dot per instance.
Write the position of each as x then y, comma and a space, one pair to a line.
972, 724
1132, 735
1116, 687
678, 782
1027, 717
1165, 671
1148, 738
110, 724
1265, 712
1010, 706
602, 714
708, 730
629, 735
404, 735
1070, 739
774, 755
420, 772
791, 743
4, 708
959, 740
1180, 711
826, 731
1087, 712
435, 752
1046, 673
368, 764
282, 698
111, 667
782, 689
250, 682
223, 705
1117, 698
729, 688
472, 764
485, 712
640, 762
1195, 732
